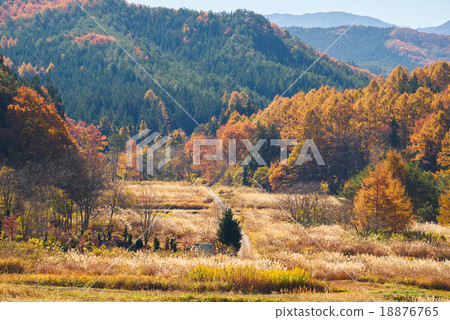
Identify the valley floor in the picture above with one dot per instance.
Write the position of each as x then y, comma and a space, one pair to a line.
342, 265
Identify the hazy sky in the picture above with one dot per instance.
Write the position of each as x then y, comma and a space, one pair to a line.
410, 13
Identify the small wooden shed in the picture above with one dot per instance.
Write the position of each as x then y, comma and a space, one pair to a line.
204, 248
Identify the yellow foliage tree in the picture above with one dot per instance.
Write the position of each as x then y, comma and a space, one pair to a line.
444, 208
444, 156
27, 70
381, 203
396, 164
50, 68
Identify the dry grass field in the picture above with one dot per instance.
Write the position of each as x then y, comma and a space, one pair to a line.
284, 261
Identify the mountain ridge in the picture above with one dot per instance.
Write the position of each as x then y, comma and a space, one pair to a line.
325, 20
441, 29
378, 49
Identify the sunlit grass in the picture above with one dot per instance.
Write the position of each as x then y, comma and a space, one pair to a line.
256, 280
287, 262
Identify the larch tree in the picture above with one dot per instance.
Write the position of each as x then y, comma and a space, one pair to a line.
444, 208
398, 79
426, 141
443, 159
381, 203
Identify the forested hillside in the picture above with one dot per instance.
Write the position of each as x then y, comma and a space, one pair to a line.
378, 49
196, 56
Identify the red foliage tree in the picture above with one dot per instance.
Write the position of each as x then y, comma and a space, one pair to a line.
10, 226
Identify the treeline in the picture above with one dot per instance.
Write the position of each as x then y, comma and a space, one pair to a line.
58, 177
51, 168
405, 115
196, 56
354, 127
404, 112
391, 137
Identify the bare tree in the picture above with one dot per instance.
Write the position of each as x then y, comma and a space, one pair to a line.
116, 143
148, 220
115, 198
309, 207
86, 189
62, 208
8, 183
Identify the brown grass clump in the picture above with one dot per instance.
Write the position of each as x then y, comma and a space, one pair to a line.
12, 266
245, 197
173, 195
420, 250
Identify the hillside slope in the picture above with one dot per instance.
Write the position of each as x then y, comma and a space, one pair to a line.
324, 20
196, 56
378, 49
442, 29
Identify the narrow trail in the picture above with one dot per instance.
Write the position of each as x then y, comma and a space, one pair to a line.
245, 251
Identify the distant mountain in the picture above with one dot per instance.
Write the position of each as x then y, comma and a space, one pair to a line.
196, 56
324, 20
378, 49
442, 29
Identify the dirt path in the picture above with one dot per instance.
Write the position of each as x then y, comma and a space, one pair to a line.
245, 251
217, 200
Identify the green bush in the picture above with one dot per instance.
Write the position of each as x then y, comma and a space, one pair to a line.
156, 244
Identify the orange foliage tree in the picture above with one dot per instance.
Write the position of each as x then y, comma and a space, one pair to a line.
27, 70
88, 138
427, 139
381, 203
36, 131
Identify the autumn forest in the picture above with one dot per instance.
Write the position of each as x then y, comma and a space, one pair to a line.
71, 98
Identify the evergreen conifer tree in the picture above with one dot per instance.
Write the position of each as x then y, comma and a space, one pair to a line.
229, 232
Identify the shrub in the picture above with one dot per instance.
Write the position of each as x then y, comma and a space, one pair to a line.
173, 245
167, 244
309, 208
156, 244
10, 226
138, 245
